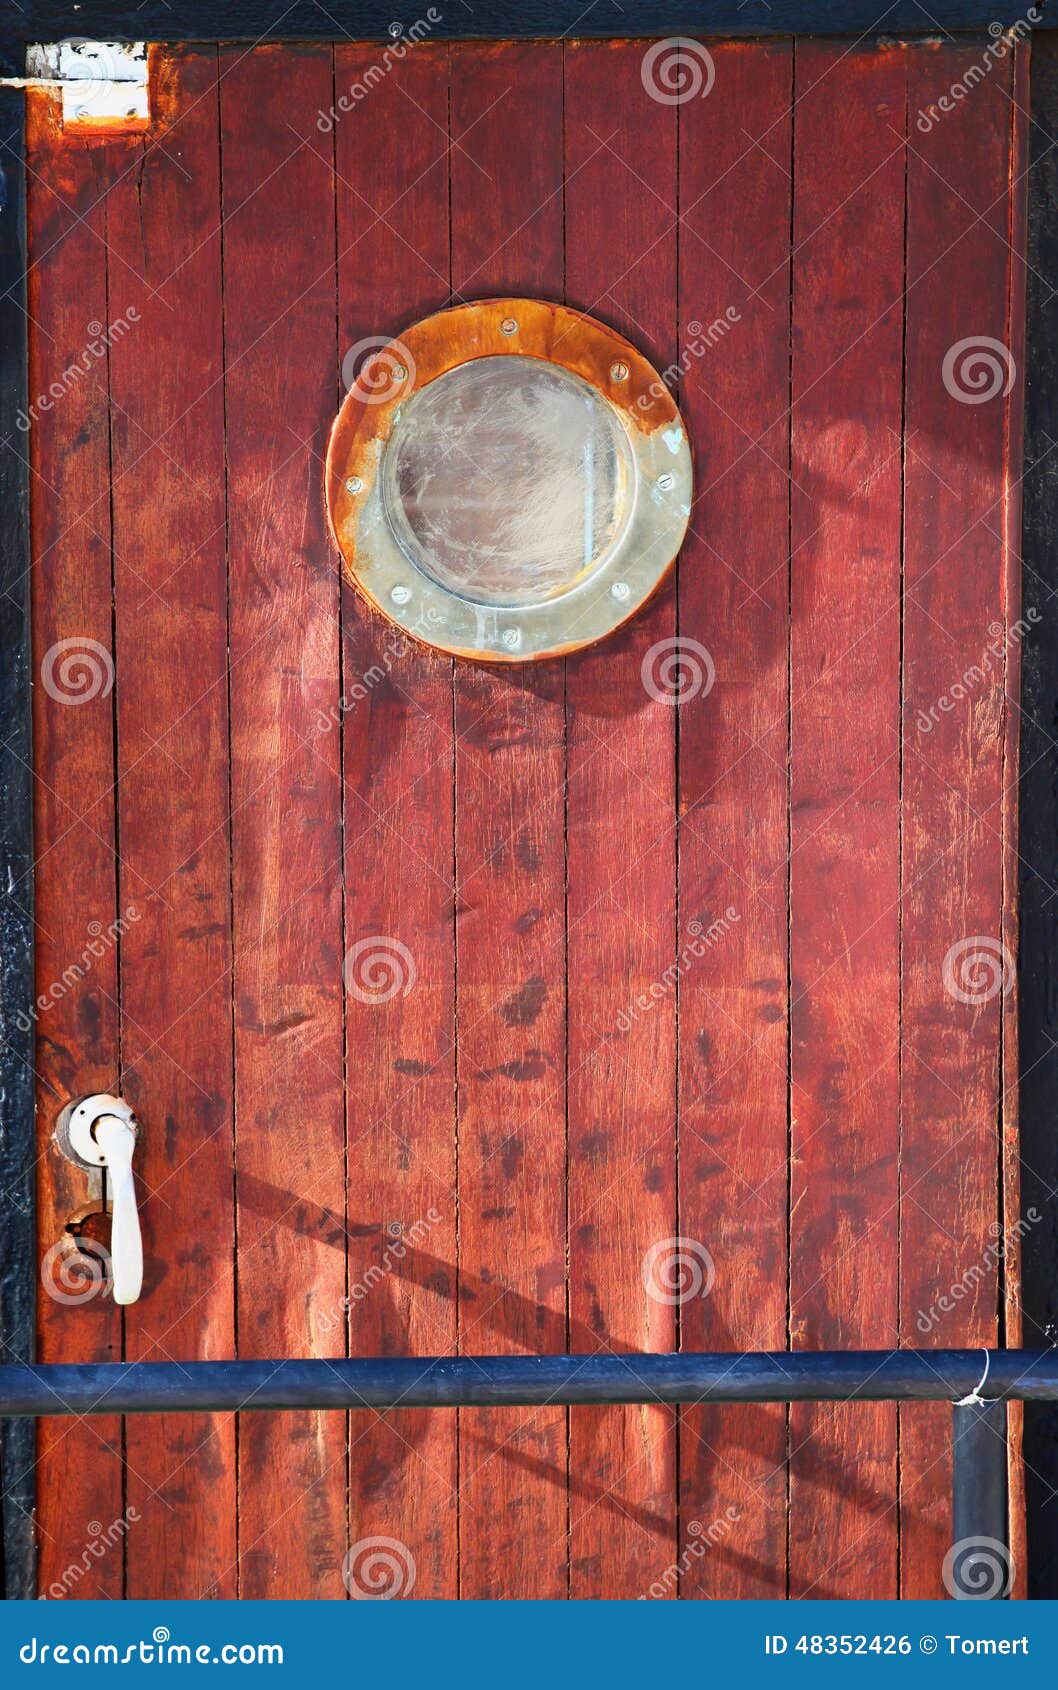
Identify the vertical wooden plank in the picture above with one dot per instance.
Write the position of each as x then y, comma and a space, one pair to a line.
173, 815
733, 602
78, 1462
621, 201
507, 237
1013, 1323
959, 671
392, 183
845, 793
280, 356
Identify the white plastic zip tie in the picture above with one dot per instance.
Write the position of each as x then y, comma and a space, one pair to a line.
975, 1399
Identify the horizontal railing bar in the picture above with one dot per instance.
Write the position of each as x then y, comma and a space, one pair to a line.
146, 1387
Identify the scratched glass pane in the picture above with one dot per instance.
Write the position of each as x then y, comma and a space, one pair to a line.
507, 480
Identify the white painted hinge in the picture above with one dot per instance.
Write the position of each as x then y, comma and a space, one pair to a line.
103, 84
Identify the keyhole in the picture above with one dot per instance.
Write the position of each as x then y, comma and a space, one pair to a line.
77, 1268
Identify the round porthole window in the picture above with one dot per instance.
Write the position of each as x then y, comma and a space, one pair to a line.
509, 480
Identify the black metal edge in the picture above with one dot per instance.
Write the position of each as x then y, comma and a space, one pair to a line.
388, 1382
17, 1242
979, 1566
1038, 810
369, 20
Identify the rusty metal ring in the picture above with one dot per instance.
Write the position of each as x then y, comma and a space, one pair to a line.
605, 384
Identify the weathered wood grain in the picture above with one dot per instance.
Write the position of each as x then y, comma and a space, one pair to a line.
848, 269
392, 191
167, 414
280, 346
507, 236
621, 844
527, 851
735, 198
79, 1477
960, 665
1013, 1324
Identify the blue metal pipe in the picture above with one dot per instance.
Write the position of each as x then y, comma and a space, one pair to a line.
524, 1381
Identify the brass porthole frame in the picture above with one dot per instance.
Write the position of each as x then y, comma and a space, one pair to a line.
660, 500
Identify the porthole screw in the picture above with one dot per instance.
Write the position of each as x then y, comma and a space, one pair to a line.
400, 595
665, 482
619, 371
620, 590
354, 484
511, 638
509, 326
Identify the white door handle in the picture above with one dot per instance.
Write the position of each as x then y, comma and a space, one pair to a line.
117, 1140
100, 1132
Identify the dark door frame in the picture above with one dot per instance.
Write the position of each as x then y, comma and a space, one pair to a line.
370, 20
260, 20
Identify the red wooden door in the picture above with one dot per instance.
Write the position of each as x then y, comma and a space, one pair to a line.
721, 974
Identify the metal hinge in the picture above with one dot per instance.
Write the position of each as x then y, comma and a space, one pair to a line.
103, 84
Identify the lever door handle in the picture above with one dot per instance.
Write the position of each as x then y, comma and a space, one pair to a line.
100, 1132
116, 1138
